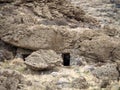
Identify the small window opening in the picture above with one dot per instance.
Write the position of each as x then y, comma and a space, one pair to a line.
66, 59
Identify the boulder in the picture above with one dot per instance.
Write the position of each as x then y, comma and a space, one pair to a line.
43, 59
41, 37
99, 48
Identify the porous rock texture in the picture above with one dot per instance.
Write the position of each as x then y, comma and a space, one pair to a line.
87, 29
5, 55
47, 25
108, 71
10, 80
43, 59
40, 37
99, 48
7, 51
80, 83
31, 24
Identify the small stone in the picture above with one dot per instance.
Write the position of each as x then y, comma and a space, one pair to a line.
62, 81
54, 74
5, 55
88, 68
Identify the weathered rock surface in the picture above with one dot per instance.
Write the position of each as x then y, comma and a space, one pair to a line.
112, 30
6, 1
104, 10
80, 83
19, 23
87, 42
117, 1
108, 71
40, 37
56, 25
43, 59
22, 53
10, 80
99, 49
5, 55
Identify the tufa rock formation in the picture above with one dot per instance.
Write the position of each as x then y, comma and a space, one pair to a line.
11, 80
43, 59
108, 71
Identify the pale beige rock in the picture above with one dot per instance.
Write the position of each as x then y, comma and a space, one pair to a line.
5, 55
99, 49
10, 79
41, 37
43, 59
107, 71
21, 25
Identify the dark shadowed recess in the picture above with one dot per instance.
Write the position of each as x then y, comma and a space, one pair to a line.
66, 59
8, 47
13, 49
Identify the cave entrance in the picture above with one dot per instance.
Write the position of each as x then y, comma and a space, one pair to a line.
66, 59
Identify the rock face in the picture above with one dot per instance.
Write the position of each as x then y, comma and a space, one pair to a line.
6, 1
43, 59
98, 47
5, 55
10, 80
24, 26
40, 37
87, 42
108, 71
60, 26
80, 83
117, 1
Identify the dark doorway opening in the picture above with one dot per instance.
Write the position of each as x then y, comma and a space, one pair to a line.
25, 56
66, 59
